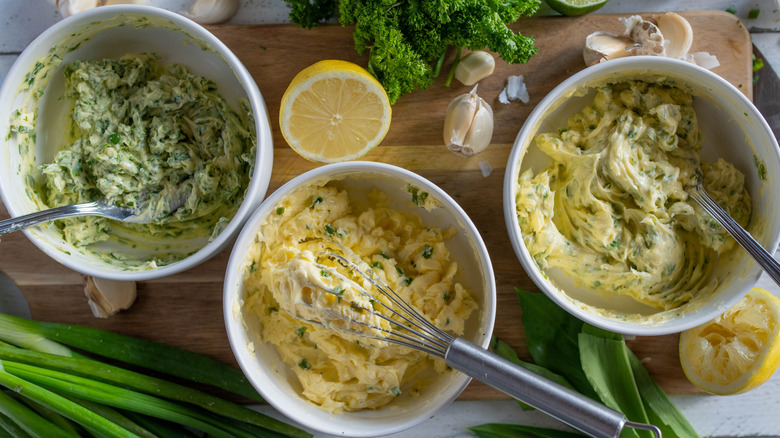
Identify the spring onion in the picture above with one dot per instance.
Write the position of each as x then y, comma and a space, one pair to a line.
160, 428
61, 405
152, 355
74, 390
149, 385
9, 428
33, 423
110, 395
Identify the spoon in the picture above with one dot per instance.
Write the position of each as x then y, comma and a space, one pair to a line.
743, 238
138, 214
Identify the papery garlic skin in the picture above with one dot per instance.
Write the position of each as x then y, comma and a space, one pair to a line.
474, 67
212, 11
468, 124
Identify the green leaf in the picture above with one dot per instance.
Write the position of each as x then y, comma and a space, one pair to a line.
662, 412
494, 430
504, 350
605, 363
552, 338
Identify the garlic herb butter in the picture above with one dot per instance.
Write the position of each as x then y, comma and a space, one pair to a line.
139, 129
611, 209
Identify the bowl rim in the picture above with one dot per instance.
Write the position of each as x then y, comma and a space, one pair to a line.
261, 173
238, 338
556, 97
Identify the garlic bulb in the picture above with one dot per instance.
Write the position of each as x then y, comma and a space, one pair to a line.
107, 297
212, 11
672, 37
70, 7
474, 67
468, 124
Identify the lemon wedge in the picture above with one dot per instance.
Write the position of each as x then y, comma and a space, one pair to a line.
737, 351
334, 111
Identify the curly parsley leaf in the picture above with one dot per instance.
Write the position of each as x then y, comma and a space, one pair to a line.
405, 39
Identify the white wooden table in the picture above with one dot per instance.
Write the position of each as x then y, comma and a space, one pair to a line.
756, 413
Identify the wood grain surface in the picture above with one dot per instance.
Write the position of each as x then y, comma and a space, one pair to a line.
185, 310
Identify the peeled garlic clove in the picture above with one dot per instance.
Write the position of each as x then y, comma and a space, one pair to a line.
212, 11
107, 297
602, 46
474, 67
678, 32
468, 124
648, 40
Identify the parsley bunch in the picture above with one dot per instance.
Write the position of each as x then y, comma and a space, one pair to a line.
407, 39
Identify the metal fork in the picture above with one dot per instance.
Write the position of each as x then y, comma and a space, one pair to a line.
743, 238
100, 207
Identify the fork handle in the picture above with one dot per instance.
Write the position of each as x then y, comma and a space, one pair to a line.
560, 402
27, 220
743, 238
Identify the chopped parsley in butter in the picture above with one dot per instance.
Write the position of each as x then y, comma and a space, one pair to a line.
138, 129
611, 209
287, 274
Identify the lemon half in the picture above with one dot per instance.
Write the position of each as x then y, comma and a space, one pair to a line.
737, 351
334, 111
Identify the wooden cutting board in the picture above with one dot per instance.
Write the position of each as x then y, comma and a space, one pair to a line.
185, 310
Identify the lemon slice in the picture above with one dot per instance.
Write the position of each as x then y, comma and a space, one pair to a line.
737, 351
334, 111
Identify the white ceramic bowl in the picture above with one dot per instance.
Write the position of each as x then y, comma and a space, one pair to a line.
277, 383
733, 129
110, 32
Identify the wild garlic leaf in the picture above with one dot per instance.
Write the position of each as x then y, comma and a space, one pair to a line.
551, 335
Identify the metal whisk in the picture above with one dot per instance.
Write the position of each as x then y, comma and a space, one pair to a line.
408, 328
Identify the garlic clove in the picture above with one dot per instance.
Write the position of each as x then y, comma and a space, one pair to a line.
460, 114
212, 11
602, 46
474, 67
107, 297
678, 32
468, 124
480, 132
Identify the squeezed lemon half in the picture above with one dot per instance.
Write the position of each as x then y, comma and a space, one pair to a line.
737, 351
334, 111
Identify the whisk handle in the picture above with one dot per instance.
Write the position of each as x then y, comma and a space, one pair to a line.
549, 397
